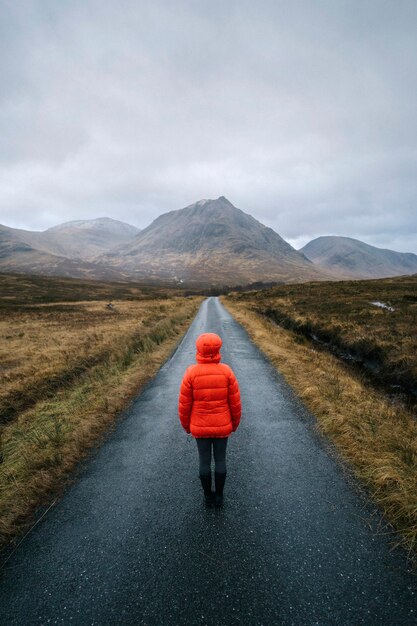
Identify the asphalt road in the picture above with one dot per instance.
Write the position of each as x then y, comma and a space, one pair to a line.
131, 543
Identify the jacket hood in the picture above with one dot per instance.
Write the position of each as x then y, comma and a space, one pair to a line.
208, 348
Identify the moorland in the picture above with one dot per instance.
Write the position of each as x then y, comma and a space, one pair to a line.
74, 352
353, 362
72, 355
370, 324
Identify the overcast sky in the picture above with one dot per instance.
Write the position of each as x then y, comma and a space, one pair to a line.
302, 113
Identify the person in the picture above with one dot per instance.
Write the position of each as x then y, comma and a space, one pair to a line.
209, 408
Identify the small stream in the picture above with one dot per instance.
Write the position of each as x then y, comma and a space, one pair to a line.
371, 366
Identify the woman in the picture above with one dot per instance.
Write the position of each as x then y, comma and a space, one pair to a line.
209, 408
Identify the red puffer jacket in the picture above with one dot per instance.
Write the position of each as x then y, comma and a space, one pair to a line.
209, 401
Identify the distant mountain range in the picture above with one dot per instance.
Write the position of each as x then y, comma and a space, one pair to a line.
19, 256
210, 242
350, 258
83, 239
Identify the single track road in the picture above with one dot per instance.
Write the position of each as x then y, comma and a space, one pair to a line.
131, 543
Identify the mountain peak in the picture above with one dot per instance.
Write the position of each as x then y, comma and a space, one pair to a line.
221, 201
212, 242
98, 223
79, 239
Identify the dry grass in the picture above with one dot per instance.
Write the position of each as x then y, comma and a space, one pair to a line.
47, 347
21, 290
68, 369
342, 317
376, 436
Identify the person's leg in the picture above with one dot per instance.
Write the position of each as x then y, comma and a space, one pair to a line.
204, 453
219, 449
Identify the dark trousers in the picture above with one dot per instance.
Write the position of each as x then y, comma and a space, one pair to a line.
205, 447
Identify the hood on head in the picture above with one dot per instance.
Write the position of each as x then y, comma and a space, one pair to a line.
208, 348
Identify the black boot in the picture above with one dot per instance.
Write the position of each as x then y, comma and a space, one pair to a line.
208, 494
219, 480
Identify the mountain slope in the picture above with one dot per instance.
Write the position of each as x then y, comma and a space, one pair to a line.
83, 239
351, 258
212, 242
18, 256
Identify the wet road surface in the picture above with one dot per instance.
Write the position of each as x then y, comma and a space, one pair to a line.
131, 543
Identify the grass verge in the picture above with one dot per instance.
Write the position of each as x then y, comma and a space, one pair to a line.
376, 436
41, 445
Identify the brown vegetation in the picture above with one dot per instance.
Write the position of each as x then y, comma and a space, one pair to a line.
67, 369
376, 434
341, 317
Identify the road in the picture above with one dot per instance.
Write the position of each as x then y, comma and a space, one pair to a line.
131, 543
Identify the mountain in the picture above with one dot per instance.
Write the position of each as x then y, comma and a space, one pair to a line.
83, 239
211, 242
20, 257
350, 258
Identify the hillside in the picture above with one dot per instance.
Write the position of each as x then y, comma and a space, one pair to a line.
82, 239
19, 256
351, 258
212, 242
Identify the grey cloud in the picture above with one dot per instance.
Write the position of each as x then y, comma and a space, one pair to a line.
302, 113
